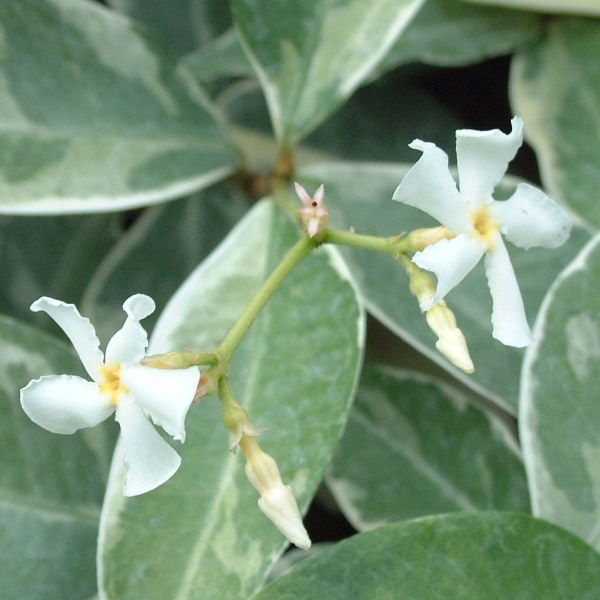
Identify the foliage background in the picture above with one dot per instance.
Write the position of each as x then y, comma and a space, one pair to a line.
136, 139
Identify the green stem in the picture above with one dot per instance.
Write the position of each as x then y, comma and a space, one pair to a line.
394, 245
290, 261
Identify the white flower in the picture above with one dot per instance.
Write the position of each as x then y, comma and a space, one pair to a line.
65, 403
528, 218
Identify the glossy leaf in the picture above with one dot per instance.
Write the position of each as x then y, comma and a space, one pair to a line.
570, 7
359, 195
414, 447
311, 56
50, 256
464, 557
560, 413
51, 486
555, 87
225, 57
95, 115
451, 33
184, 24
158, 253
295, 373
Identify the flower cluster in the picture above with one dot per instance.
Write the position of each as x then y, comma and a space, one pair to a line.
477, 222
122, 384
140, 389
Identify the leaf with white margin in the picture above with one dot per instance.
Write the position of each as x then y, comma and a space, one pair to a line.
450, 33
51, 486
555, 87
415, 446
559, 410
491, 555
184, 24
224, 57
311, 56
201, 535
570, 7
96, 116
51, 256
158, 252
359, 195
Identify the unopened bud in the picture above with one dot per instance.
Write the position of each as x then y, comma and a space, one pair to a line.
276, 500
451, 341
315, 214
170, 360
238, 423
419, 239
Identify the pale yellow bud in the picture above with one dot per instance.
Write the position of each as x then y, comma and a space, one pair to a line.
451, 341
276, 500
419, 239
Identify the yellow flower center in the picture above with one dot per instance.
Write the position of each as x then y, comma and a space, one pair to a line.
484, 226
112, 384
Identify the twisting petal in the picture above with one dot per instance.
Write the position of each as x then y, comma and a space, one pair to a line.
450, 260
483, 157
509, 323
150, 460
530, 219
128, 345
64, 403
78, 329
429, 187
166, 395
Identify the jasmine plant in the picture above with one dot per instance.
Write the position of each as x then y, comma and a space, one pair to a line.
322, 351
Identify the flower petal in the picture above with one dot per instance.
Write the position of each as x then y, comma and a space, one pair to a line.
128, 345
429, 187
509, 322
450, 260
64, 403
483, 158
165, 395
150, 460
78, 329
529, 219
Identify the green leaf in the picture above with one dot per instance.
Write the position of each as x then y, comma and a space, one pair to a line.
50, 256
560, 412
359, 195
366, 128
95, 115
311, 56
451, 33
184, 24
158, 253
414, 447
295, 373
500, 556
51, 486
225, 57
589, 7
555, 87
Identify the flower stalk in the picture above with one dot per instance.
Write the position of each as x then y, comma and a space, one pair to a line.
290, 261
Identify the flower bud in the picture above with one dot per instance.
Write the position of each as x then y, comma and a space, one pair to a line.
419, 239
451, 342
276, 500
315, 214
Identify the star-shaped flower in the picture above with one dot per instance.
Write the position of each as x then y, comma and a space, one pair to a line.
527, 219
120, 385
